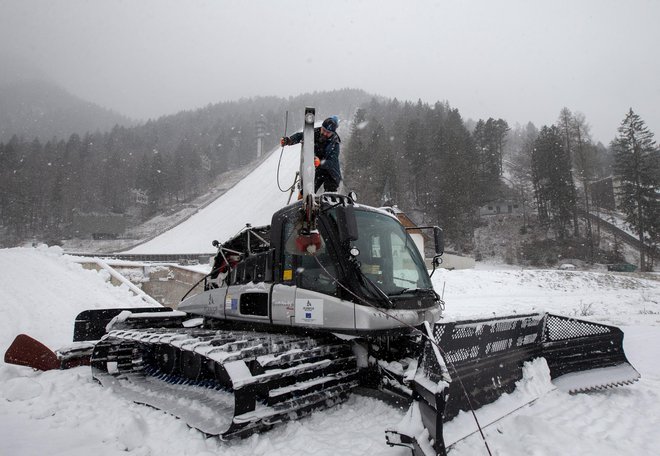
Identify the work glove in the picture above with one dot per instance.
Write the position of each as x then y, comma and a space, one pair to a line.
284, 141
317, 162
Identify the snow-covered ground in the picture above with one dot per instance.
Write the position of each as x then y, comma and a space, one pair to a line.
67, 413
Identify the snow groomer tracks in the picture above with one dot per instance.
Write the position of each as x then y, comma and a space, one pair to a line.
228, 383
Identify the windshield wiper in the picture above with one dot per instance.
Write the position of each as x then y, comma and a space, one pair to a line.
416, 291
375, 289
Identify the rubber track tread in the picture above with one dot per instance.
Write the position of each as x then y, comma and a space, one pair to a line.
272, 377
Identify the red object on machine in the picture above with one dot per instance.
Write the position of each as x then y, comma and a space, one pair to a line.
308, 243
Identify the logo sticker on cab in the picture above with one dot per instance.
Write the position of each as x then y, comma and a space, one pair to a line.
309, 311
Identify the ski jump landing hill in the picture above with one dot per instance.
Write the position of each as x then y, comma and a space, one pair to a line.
253, 200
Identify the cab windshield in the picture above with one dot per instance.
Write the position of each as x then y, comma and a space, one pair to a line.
388, 256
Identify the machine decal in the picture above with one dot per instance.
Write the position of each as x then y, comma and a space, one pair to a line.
309, 311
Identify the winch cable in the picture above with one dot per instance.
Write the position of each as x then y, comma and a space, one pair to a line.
424, 335
286, 122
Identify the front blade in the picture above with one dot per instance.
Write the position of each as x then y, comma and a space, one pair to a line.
484, 359
585, 356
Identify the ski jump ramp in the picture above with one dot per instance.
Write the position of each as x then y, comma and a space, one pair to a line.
253, 200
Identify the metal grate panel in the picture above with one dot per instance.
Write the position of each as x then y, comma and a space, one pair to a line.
563, 328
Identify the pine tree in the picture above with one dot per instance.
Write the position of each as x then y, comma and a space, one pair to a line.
577, 142
565, 125
490, 137
13, 194
417, 155
376, 172
355, 152
637, 167
456, 192
553, 181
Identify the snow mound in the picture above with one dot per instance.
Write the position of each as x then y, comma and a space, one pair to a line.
42, 290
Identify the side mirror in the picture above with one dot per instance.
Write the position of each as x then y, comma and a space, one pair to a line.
346, 224
439, 238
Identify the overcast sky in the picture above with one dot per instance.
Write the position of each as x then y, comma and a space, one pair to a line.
519, 60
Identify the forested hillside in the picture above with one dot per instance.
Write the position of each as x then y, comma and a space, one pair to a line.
143, 170
34, 108
425, 159
421, 157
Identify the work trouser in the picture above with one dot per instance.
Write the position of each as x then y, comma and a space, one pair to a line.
326, 179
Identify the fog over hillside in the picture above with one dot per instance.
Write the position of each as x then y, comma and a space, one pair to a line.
36, 108
517, 60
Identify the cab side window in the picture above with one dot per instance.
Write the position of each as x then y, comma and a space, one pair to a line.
304, 270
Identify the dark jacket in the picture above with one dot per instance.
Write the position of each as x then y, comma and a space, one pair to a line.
327, 149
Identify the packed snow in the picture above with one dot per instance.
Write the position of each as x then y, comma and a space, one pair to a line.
67, 413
